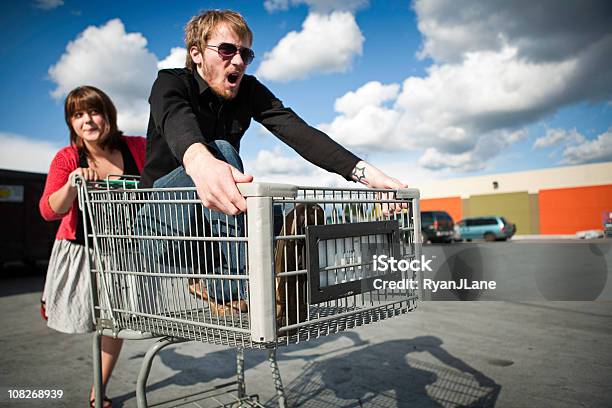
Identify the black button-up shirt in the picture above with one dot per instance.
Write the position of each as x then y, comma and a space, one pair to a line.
184, 111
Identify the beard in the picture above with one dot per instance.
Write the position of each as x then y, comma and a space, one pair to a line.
218, 88
225, 94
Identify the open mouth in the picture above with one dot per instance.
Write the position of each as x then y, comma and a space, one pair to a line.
233, 77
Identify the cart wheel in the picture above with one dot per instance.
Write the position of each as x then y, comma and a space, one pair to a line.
489, 237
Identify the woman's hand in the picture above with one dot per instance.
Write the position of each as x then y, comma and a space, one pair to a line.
87, 173
61, 201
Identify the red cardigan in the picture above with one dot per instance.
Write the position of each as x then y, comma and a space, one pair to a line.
64, 163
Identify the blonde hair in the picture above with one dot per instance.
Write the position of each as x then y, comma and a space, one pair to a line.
201, 27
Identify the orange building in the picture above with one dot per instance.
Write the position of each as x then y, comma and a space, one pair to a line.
451, 205
567, 210
560, 200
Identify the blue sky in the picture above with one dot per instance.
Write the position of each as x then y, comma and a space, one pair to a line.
424, 90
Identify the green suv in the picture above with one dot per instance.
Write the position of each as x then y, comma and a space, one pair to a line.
492, 228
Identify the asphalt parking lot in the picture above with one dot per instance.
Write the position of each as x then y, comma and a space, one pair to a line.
528, 352
527, 270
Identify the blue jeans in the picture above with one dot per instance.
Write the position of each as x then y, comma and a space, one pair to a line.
176, 220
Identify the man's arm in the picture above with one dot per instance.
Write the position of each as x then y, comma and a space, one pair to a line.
309, 142
215, 180
312, 144
173, 114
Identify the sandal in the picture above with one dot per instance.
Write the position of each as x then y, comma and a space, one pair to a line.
196, 289
106, 403
218, 309
235, 308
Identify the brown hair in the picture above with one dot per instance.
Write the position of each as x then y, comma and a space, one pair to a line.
86, 98
200, 28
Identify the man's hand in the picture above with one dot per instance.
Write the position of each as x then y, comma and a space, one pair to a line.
372, 177
215, 180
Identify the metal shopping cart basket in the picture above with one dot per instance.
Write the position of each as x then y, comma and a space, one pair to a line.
297, 266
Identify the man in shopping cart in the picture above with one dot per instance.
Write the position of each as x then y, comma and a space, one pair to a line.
200, 113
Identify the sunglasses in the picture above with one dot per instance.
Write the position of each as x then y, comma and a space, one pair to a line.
227, 51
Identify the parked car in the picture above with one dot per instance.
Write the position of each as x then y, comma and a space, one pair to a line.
492, 228
436, 226
590, 234
607, 224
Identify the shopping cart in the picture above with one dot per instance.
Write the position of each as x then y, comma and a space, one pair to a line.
297, 266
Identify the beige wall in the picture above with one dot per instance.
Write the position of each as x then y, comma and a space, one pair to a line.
531, 181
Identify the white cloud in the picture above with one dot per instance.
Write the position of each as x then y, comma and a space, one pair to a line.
540, 30
486, 148
558, 136
322, 6
276, 5
292, 169
372, 93
590, 151
577, 149
300, 54
108, 57
488, 79
364, 122
176, 59
115, 61
316, 177
435, 160
25, 154
276, 163
456, 104
261, 131
450, 110
274, 166
48, 4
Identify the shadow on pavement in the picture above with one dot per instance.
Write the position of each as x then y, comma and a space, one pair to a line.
220, 365
384, 375
372, 375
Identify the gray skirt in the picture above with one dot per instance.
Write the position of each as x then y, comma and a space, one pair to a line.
67, 290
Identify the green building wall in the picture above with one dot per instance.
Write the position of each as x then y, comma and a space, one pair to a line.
515, 207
